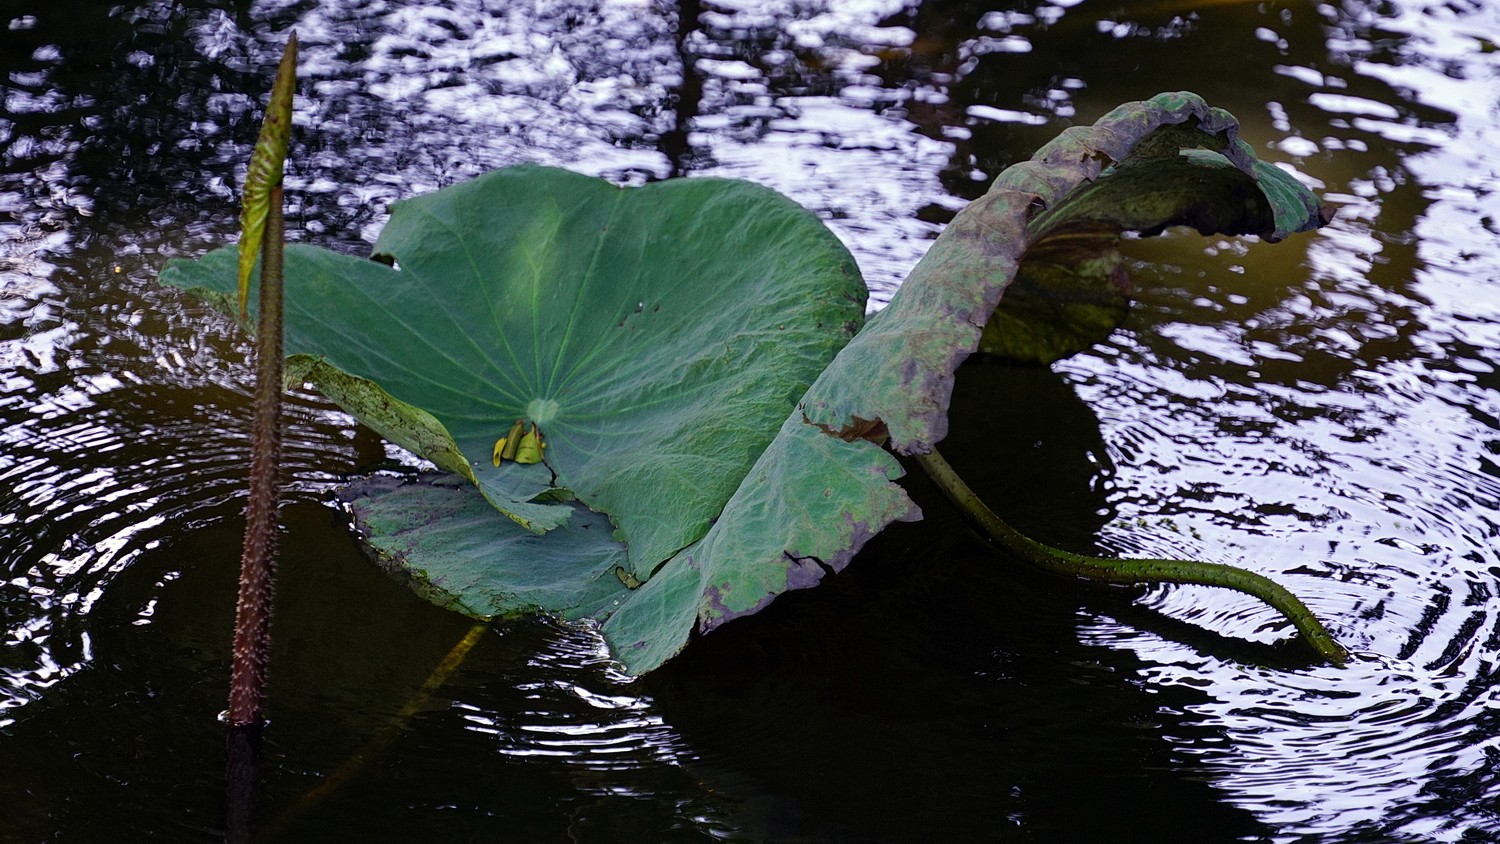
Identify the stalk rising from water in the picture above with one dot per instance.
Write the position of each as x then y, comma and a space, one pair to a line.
262, 218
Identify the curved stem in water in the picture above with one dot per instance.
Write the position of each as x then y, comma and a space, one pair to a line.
388, 733
1129, 571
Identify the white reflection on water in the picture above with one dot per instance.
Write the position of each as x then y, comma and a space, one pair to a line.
1324, 753
610, 731
47, 634
1447, 66
407, 98
1359, 470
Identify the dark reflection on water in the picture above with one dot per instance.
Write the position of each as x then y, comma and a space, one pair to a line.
1323, 410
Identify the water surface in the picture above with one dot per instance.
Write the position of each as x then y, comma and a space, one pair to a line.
1323, 410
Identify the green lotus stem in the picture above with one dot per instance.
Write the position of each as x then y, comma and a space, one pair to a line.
1129, 571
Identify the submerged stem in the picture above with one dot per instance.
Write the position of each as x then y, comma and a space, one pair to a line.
387, 734
1129, 571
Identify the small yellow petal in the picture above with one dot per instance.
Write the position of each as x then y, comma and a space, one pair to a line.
512, 441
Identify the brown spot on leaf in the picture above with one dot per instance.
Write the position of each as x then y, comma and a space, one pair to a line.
873, 430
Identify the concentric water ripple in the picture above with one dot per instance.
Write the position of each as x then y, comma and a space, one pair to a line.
1372, 494
1339, 434
119, 430
610, 731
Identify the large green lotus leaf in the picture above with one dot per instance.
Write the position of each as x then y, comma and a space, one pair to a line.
657, 335
824, 486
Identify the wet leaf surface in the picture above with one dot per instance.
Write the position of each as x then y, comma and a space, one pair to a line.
657, 335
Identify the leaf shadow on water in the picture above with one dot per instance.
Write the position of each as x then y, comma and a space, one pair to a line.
936, 685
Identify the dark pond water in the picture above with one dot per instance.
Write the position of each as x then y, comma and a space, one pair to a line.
1325, 411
